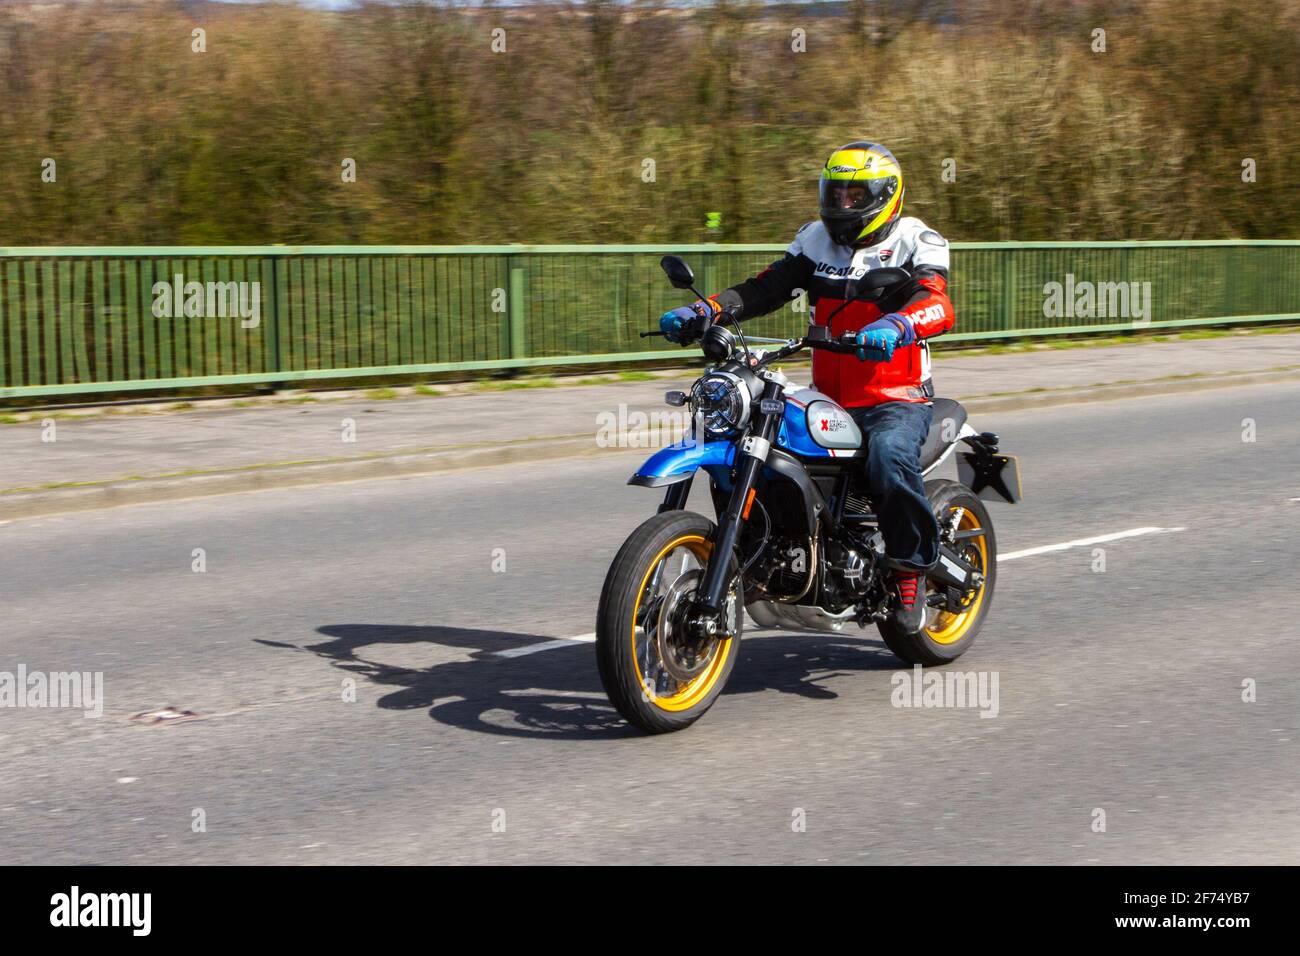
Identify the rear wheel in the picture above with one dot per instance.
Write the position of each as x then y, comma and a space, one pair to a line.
657, 674
947, 634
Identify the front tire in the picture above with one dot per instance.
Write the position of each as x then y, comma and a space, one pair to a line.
946, 636
654, 680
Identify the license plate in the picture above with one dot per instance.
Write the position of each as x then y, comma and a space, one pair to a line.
992, 477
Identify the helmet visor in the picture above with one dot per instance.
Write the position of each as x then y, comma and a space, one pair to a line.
857, 198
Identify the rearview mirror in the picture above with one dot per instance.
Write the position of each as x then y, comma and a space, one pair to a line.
679, 273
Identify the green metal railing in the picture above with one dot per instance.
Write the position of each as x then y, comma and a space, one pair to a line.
84, 320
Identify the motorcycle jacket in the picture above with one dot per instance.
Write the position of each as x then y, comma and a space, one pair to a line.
826, 270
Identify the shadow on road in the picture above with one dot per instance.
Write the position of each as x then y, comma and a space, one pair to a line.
556, 694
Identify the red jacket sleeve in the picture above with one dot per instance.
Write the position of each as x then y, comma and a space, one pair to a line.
929, 309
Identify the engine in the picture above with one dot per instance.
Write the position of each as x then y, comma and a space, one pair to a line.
849, 567
795, 582
783, 572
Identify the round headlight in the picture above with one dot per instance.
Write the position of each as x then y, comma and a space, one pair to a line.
720, 403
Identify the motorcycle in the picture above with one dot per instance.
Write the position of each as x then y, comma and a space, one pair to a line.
794, 540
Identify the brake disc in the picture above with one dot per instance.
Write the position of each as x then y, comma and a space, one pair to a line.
683, 655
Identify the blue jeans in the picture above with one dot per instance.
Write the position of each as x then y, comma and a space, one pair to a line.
894, 433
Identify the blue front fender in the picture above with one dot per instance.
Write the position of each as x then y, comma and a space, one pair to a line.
679, 462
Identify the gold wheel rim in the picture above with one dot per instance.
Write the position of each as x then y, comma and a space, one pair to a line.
695, 690
947, 627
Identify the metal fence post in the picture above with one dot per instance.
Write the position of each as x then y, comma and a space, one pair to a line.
273, 357
1008, 297
1231, 262
517, 309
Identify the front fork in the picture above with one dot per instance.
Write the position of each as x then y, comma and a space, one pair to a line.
675, 498
752, 454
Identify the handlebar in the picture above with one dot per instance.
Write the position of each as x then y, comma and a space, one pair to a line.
844, 344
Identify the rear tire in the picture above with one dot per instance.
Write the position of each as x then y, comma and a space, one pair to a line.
661, 703
946, 636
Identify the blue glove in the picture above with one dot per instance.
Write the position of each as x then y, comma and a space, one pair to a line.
876, 342
686, 324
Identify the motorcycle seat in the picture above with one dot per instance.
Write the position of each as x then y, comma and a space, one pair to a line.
945, 410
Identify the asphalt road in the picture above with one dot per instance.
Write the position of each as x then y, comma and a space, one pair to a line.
1118, 690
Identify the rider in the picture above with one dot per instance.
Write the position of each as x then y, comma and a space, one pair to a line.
886, 387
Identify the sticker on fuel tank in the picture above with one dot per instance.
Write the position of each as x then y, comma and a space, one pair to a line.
832, 427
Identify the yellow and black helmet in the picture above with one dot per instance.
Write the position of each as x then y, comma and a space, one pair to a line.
861, 194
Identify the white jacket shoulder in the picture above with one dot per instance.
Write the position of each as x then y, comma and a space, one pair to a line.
913, 229
919, 245
810, 238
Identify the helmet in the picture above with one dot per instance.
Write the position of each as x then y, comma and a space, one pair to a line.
861, 194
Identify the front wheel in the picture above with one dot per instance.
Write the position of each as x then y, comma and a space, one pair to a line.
948, 634
656, 673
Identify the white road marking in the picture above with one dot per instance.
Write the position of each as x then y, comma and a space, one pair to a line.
1010, 556
547, 645
1084, 542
